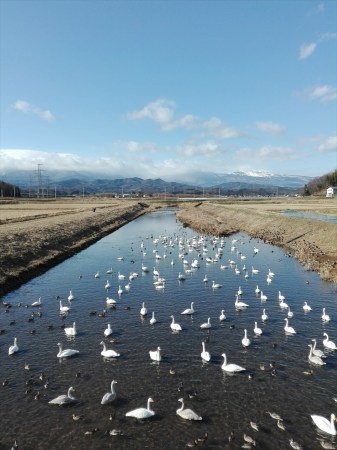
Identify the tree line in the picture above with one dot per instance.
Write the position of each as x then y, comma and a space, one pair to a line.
318, 184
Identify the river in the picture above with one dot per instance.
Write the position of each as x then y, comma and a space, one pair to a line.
278, 376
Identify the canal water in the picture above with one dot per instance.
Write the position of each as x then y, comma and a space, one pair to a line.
278, 376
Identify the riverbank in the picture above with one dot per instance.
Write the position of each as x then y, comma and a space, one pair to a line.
36, 235
312, 242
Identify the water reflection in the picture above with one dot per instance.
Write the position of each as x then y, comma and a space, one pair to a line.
278, 376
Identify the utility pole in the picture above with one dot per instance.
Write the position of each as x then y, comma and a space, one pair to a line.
39, 180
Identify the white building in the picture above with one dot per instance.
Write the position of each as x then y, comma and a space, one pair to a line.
330, 192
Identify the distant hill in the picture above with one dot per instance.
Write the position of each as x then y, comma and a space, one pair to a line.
196, 183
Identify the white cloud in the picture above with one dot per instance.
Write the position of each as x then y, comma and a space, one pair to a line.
307, 49
328, 145
217, 129
270, 127
267, 153
161, 111
208, 149
324, 93
27, 108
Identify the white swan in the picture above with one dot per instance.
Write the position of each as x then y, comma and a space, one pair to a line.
109, 271
325, 317
288, 329
324, 424
107, 285
37, 303
181, 277
257, 330
155, 355
204, 354
108, 331
187, 414
239, 304
120, 290
189, 311
205, 280
231, 368
264, 316
110, 301
290, 313
307, 307
64, 309
143, 310
315, 359
153, 320
206, 325
64, 399
109, 396
216, 285
263, 297
222, 316
71, 331
67, 352
257, 289
255, 270
283, 305
97, 275
121, 276
71, 296
175, 326
245, 340
108, 353
13, 348
329, 344
316, 351
142, 413
240, 291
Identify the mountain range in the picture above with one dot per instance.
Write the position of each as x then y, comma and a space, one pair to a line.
242, 183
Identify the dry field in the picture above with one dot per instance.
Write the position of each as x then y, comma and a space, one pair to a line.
37, 234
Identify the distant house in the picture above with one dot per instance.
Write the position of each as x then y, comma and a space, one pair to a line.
331, 191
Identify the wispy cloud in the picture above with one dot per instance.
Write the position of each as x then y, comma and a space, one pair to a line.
307, 50
267, 153
323, 93
208, 149
270, 127
162, 112
27, 108
328, 145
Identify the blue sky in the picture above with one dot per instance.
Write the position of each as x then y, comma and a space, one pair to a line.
169, 88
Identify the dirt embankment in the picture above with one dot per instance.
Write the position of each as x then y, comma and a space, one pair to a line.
36, 236
312, 242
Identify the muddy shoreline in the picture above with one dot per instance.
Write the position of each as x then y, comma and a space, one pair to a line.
37, 235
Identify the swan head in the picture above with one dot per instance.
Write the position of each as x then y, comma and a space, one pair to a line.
158, 349
59, 344
180, 399
102, 343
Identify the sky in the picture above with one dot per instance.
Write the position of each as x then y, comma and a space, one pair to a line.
168, 89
